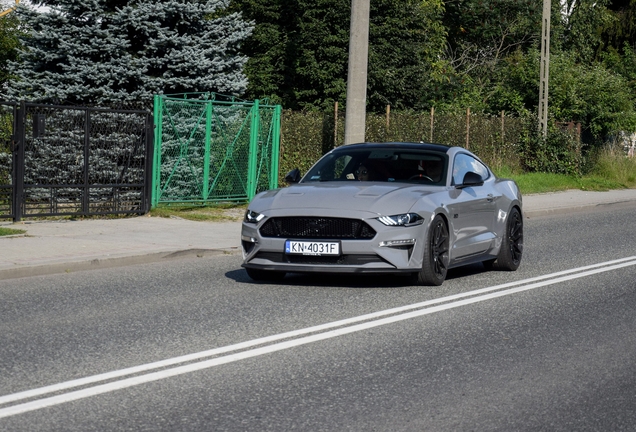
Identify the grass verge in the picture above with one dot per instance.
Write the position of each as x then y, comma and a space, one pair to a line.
545, 182
10, 231
228, 212
612, 170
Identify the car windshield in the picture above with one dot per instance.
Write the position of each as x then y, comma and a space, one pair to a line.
381, 165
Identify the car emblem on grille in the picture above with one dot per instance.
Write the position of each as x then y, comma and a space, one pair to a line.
316, 225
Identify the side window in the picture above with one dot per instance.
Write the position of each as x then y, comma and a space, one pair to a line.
340, 165
330, 168
464, 163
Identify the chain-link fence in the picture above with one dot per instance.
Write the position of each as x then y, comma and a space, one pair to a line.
212, 150
496, 139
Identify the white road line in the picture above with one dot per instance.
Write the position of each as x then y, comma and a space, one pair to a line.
268, 339
527, 284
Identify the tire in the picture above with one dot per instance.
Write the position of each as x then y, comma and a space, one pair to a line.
436, 256
509, 257
265, 275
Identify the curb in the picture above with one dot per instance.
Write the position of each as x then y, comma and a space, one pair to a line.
580, 209
104, 263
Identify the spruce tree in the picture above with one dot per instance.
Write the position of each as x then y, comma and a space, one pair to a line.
102, 51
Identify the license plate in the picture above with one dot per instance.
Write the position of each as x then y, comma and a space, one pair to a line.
293, 247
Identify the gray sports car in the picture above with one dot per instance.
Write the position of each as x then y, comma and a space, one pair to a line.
411, 208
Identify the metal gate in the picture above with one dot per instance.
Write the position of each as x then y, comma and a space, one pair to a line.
208, 150
76, 161
7, 160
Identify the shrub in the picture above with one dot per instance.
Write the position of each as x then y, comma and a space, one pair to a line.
559, 152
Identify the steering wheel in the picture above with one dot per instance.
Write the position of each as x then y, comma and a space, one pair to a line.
421, 176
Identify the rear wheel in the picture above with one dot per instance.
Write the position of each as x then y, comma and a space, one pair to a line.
435, 260
511, 251
264, 275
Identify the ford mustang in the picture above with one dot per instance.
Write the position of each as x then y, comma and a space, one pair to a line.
411, 208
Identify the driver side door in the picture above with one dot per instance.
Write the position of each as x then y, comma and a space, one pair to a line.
472, 209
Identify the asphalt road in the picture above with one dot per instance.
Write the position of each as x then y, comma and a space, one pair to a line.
553, 349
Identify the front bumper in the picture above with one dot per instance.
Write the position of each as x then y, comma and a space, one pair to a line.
357, 256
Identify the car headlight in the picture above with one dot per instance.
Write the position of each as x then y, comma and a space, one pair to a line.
406, 219
253, 217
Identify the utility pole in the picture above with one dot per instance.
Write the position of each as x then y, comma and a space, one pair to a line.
545, 68
355, 114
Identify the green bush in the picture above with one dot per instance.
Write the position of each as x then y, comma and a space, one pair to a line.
304, 139
559, 152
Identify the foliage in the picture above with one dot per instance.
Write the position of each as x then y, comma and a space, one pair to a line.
579, 26
264, 48
298, 52
6, 130
481, 34
303, 140
406, 40
491, 24
102, 51
623, 32
559, 152
593, 95
9, 45
623, 62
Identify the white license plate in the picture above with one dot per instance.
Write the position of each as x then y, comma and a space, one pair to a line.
293, 247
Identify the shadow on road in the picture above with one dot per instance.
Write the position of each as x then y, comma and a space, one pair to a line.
350, 280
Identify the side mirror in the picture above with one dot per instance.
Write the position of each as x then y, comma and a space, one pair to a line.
471, 179
293, 176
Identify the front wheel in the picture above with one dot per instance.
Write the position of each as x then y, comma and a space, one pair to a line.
436, 257
511, 251
265, 275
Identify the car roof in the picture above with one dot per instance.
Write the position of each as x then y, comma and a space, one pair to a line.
401, 145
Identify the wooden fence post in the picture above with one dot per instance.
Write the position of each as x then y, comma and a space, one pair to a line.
503, 129
467, 128
388, 117
335, 125
432, 122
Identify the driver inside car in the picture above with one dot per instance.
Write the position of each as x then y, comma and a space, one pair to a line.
431, 168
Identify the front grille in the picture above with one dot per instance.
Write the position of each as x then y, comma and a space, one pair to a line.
317, 228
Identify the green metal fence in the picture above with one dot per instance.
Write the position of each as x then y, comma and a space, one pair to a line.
211, 150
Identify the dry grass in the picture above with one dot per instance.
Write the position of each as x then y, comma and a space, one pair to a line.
213, 213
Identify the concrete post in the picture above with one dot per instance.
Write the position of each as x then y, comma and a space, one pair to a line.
544, 69
355, 117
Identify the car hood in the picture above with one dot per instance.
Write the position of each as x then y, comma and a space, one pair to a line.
383, 198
